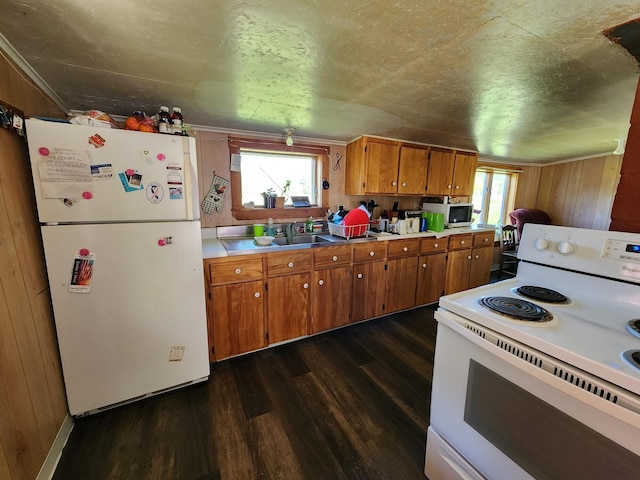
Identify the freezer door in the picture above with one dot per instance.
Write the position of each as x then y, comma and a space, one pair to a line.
91, 175
129, 309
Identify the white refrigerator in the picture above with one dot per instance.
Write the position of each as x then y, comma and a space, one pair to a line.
121, 234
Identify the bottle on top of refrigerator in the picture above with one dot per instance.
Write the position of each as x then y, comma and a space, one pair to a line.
177, 121
164, 120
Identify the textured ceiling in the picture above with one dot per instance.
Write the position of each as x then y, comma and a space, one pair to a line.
520, 81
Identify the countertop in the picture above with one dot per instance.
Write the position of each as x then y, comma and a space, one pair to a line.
213, 248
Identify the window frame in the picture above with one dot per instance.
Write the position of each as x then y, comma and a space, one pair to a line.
510, 189
239, 212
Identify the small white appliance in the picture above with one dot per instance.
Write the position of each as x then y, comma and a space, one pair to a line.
455, 214
124, 259
539, 376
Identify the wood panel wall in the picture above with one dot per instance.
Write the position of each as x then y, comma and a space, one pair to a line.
32, 399
580, 193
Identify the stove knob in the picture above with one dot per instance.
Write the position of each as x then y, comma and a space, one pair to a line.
566, 248
541, 244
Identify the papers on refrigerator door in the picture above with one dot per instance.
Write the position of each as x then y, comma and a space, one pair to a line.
81, 273
65, 173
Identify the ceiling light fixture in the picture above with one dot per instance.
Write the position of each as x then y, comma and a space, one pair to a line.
289, 132
620, 148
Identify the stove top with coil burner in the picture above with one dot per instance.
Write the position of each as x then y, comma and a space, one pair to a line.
542, 294
518, 310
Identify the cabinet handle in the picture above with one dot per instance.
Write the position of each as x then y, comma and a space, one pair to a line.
469, 257
321, 282
405, 249
334, 258
238, 271
485, 239
424, 265
477, 257
359, 275
306, 285
448, 186
372, 253
290, 264
404, 184
394, 183
462, 242
257, 294
435, 245
457, 187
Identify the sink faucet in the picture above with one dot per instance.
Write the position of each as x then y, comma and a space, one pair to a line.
290, 232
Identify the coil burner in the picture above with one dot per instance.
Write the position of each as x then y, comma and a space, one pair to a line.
541, 294
518, 309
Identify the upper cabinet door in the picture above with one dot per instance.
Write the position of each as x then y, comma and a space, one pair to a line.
440, 173
412, 173
382, 167
464, 172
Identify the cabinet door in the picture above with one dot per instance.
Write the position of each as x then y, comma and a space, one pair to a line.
431, 271
464, 173
412, 173
367, 300
402, 275
331, 304
288, 300
481, 259
440, 172
382, 167
458, 267
238, 318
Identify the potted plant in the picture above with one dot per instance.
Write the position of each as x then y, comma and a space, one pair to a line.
269, 198
283, 195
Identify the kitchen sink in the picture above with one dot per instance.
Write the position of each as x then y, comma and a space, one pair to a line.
303, 239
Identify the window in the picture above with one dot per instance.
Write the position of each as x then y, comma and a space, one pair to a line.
267, 164
270, 170
493, 195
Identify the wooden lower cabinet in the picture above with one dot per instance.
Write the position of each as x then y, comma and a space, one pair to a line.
468, 262
238, 318
288, 312
331, 304
367, 300
431, 274
402, 276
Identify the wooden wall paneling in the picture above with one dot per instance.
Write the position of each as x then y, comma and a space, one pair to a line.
544, 188
528, 183
558, 191
213, 155
565, 216
606, 192
4, 465
588, 192
19, 435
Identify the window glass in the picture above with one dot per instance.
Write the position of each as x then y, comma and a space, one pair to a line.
492, 200
263, 171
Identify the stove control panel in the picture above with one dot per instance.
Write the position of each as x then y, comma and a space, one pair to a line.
621, 250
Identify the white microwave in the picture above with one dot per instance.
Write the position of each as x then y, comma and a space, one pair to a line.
455, 214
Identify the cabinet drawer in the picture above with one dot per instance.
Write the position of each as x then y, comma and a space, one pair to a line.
429, 245
235, 269
483, 239
285, 263
403, 248
367, 252
332, 256
457, 242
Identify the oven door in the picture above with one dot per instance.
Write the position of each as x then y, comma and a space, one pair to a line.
511, 412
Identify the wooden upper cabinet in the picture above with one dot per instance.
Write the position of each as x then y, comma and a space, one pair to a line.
382, 167
440, 172
412, 172
451, 173
464, 172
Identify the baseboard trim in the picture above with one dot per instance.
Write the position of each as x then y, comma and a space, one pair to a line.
55, 452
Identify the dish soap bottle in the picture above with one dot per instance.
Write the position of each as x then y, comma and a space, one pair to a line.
310, 225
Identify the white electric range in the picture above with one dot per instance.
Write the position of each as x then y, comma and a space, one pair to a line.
535, 374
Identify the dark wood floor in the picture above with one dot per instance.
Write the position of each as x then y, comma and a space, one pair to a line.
347, 404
